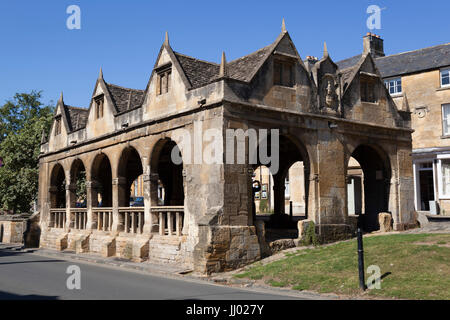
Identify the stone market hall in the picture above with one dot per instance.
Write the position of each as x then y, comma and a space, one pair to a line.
202, 215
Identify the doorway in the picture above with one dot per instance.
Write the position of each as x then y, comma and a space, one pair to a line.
426, 185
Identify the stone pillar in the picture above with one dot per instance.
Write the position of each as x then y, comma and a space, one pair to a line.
147, 204
403, 210
151, 200
71, 199
117, 192
331, 215
91, 202
278, 190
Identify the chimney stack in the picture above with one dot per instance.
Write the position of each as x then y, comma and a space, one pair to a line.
374, 44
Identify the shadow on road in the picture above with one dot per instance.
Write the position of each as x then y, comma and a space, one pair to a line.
11, 253
12, 296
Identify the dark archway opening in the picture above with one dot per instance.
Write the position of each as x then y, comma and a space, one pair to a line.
375, 186
170, 174
101, 177
130, 169
283, 222
58, 187
78, 192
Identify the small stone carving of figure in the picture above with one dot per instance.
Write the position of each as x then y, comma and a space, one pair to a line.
329, 99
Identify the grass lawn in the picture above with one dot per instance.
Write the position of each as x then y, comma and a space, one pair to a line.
415, 266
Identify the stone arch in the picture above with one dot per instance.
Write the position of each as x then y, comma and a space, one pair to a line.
129, 169
57, 187
291, 150
101, 181
376, 168
166, 174
382, 152
77, 184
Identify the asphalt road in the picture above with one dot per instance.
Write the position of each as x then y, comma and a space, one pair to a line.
31, 276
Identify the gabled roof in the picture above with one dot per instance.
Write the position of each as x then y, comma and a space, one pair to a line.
198, 72
407, 62
76, 117
348, 74
245, 67
349, 62
125, 98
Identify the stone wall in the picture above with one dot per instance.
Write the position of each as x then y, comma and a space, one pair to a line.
12, 228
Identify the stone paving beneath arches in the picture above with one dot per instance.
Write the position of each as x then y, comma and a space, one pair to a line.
433, 227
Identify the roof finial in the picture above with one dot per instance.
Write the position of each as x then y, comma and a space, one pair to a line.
283, 26
325, 50
223, 66
166, 40
405, 104
61, 97
100, 74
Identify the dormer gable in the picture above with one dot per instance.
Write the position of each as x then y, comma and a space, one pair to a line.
365, 96
66, 120
102, 110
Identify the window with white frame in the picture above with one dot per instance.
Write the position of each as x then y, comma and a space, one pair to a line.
445, 172
445, 77
394, 86
446, 119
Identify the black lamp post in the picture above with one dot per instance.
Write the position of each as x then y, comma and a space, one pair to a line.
359, 237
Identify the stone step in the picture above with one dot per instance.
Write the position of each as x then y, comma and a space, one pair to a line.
438, 218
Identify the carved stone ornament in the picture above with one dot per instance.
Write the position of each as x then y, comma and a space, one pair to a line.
329, 99
421, 112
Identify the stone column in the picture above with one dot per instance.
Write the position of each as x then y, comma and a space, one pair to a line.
404, 214
119, 189
71, 199
331, 214
278, 190
147, 204
150, 200
91, 202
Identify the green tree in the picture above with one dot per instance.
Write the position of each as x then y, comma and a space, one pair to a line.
22, 121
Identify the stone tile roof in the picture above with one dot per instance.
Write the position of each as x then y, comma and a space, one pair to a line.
198, 72
407, 62
414, 61
347, 75
349, 62
125, 98
243, 68
76, 117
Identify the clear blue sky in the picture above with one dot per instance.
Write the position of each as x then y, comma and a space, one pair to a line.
123, 37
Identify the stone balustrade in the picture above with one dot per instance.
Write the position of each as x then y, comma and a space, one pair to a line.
58, 218
79, 218
104, 218
170, 218
132, 219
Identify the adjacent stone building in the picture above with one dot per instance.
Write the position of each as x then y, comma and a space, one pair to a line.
200, 213
419, 82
